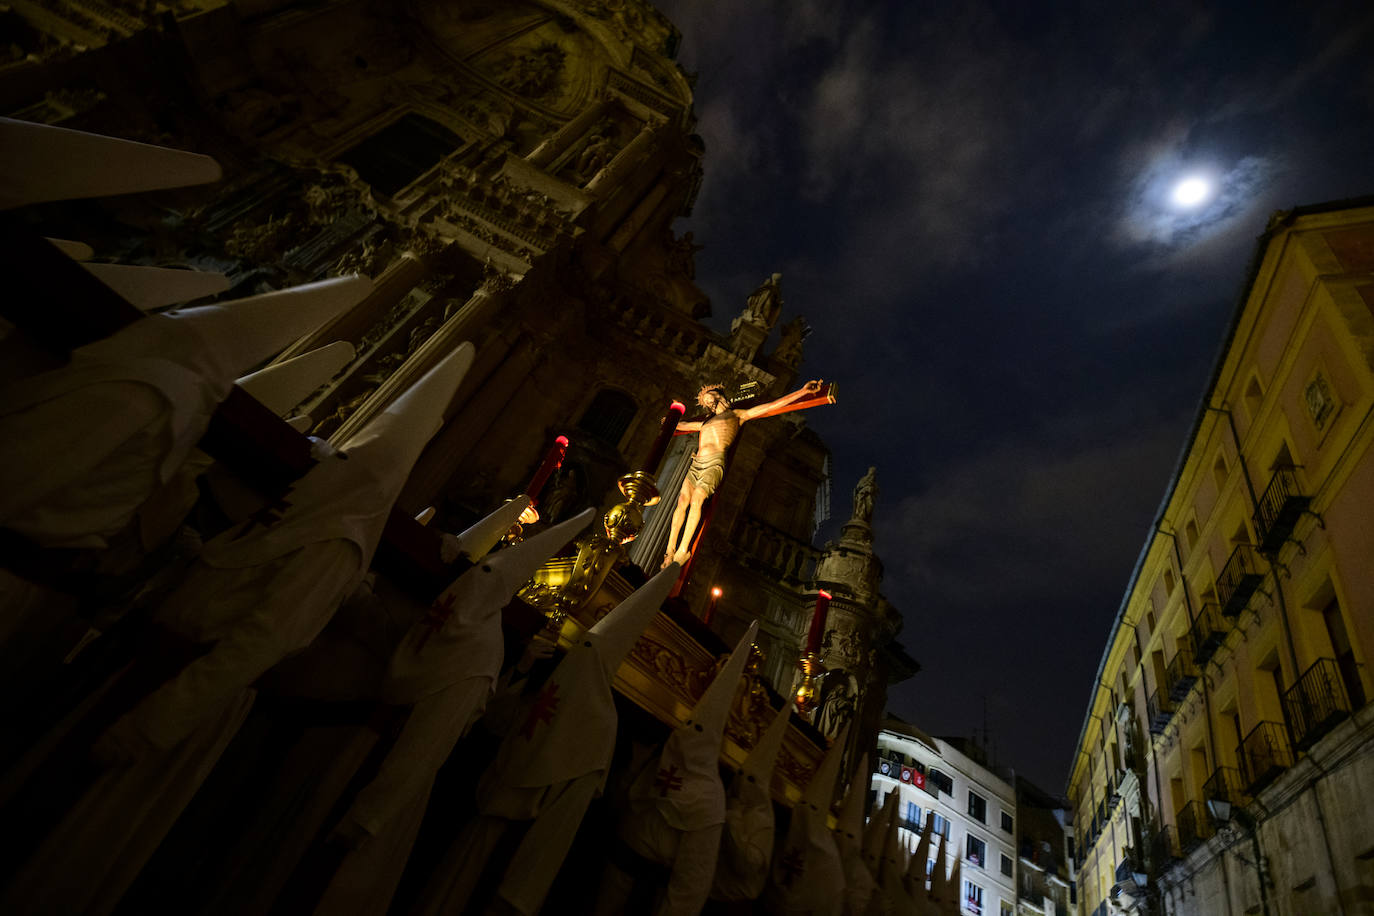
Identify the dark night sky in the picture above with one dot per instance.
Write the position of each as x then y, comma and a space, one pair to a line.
970, 204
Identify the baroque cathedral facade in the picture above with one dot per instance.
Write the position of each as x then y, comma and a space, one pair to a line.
508, 174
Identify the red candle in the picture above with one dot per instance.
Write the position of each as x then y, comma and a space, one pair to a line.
552, 461
813, 638
711, 608
665, 434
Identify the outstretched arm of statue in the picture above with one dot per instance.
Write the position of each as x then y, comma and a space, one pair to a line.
691, 426
763, 410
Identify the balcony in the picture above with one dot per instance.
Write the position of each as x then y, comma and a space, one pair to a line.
1194, 826
1181, 673
1208, 633
1263, 755
1164, 848
1160, 710
1223, 785
1282, 504
1238, 580
1316, 703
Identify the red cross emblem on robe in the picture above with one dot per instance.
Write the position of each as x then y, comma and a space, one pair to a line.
545, 705
667, 781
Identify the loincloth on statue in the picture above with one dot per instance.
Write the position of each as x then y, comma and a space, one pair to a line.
707, 472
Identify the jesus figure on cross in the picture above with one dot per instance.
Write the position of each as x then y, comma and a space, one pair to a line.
717, 433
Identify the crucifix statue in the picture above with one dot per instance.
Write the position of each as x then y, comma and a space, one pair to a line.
717, 433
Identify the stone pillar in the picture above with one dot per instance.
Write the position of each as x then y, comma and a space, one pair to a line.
646, 550
475, 313
559, 143
612, 175
400, 277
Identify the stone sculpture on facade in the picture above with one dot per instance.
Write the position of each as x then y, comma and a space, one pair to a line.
865, 492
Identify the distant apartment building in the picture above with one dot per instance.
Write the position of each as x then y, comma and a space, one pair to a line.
1226, 759
1044, 845
973, 807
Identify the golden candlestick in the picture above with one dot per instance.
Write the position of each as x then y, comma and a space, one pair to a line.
811, 669
564, 584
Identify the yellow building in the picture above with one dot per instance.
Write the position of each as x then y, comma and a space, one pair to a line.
1226, 759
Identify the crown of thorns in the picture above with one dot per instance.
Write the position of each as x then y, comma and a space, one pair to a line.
701, 395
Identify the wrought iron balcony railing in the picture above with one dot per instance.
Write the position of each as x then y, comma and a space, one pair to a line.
1238, 580
1164, 848
1208, 633
1181, 672
1282, 504
1224, 785
1194, 826
1316, 703
1160, 710
1263, 755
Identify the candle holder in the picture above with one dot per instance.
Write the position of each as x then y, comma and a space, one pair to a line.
564, 584
811, 668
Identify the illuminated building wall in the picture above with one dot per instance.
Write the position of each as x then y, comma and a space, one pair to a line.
974, 807
1225, 759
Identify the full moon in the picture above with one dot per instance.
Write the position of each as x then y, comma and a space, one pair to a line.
1191, 191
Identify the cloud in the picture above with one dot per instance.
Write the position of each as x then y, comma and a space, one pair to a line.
1022, 520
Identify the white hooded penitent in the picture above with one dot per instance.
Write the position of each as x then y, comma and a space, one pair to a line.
551, 765
746, 848
445, 666
677, 805
82, 447
808, 876
258, 593
849, 831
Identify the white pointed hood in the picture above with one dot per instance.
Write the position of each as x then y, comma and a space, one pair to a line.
685, 784
77, 251
746, 846
764, 755
281, 386
954, 887
875, 836
939, 885
39, 162
809, 874
820, 791
477, 541
154, 287
849, 832
243, 333
349, 494
570, 727
461, 637
916, 868
189, 358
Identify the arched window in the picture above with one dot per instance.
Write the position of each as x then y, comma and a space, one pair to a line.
609, 415
401, 152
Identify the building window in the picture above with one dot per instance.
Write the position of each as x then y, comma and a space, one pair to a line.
977, 807
973, 897
1004, 909
1006, 822
977, 851
913, 816
940, 782
401, 152
608, 416
941, 827
1006, 865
